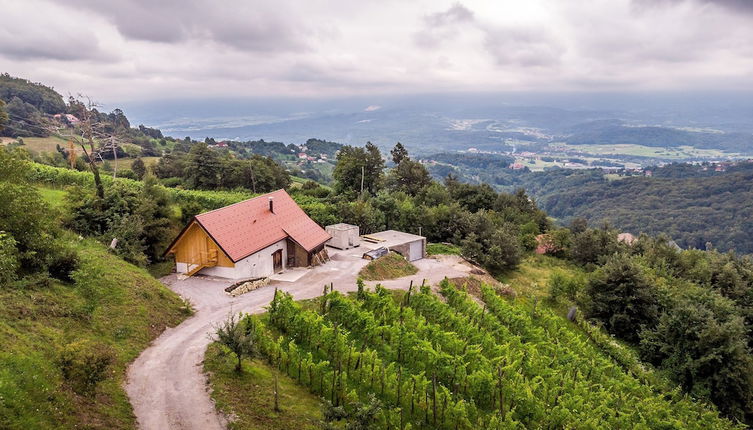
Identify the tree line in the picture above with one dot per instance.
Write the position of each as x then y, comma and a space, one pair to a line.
689, 313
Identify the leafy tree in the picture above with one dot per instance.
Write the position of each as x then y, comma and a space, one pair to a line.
3, 115
701, 341
409, 176
621, 296
139, 168
498, 252
472, 197
202, 168
362, 214
358, 166
237, 335
139, 219
578, 225
434, 194
172, 165
594, 245
399, 153
24, 216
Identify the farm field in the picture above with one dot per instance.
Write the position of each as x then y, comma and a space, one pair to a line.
678, 153
458, 363
49, 144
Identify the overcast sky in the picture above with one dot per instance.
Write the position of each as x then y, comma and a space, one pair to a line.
146, 49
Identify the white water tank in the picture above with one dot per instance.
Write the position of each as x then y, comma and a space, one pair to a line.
344, 236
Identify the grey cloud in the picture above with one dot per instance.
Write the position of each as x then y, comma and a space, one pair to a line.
744, 6
455, 14
527, 47
20, 41
258, 28
441, 26
736, 5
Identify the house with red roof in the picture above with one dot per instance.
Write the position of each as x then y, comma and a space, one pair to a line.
251, 239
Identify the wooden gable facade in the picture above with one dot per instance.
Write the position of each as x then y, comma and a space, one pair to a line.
198, 250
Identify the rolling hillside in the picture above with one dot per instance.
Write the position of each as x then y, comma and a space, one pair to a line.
690, 210
110, 312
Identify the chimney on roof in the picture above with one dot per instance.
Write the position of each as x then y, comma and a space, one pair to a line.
272, 204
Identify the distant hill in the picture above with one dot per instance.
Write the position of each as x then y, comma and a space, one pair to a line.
691, 205
28, 104
613, 132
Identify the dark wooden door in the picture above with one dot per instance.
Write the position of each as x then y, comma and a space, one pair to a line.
277, 260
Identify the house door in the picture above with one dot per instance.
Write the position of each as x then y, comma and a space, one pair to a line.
277, 261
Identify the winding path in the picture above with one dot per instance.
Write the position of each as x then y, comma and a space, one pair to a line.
166, 385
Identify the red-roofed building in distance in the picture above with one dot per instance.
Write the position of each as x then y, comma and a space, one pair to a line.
251, 239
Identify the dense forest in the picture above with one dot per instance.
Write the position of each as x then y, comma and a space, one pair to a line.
697, 208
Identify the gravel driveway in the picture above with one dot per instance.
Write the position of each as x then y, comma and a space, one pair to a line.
165, 383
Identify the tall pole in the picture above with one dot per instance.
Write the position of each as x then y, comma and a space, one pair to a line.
363, 173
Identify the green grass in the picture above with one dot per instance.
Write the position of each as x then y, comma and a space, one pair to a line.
52, 196
42, 144
114, 304
531, 278
390, 266
248, 396
442, 249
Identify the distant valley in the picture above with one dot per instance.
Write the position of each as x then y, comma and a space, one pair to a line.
535, 136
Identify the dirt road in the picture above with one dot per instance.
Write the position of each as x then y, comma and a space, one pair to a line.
165, 383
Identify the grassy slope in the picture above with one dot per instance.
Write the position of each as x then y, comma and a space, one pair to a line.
248, 399
130, 308
52, 196
390, 266
442, 249
531, 278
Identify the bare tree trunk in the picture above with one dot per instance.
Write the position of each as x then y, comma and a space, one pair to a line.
115, 156
95, 170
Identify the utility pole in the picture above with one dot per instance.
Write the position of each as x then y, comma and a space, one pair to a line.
363, 173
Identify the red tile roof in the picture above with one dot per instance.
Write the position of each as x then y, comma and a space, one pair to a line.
246, 227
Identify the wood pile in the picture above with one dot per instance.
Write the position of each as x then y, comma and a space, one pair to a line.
320, 257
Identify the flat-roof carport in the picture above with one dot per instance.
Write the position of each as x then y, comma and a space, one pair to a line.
410, 246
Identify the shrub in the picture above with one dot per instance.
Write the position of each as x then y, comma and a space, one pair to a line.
63, 264
172, 182
9, 264
562, 286
236, 334
621, 296
700, 341
84, 363
128, 174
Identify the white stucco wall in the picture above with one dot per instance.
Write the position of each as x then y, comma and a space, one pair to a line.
256, 265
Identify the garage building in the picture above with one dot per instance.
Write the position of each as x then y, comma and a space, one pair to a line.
410, 246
